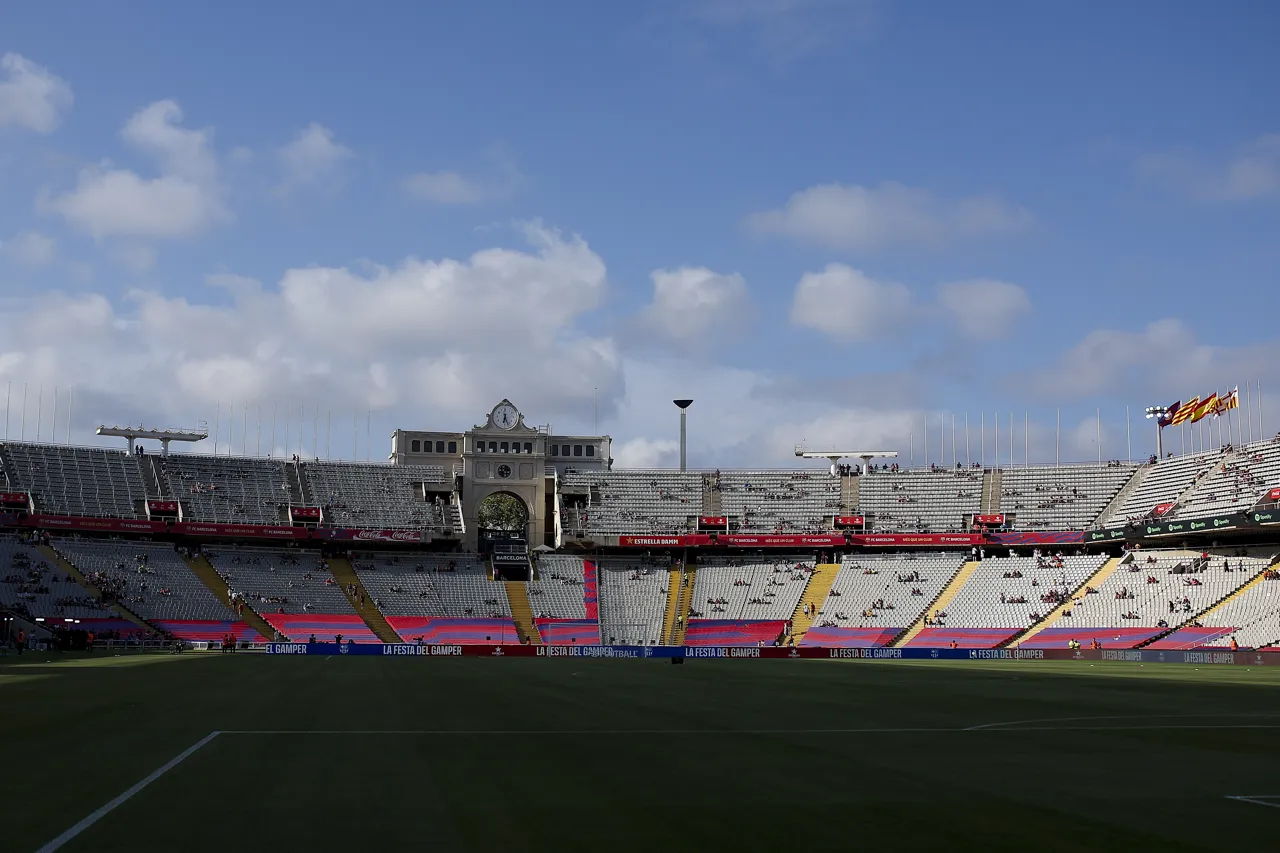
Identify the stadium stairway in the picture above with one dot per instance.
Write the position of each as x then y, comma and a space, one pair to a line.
1108, 568
56, 559
208, 575
686, 602
850, 494
522, 612
815, 593
673, 606
940, 603
1118, 501
345, 574
992, 491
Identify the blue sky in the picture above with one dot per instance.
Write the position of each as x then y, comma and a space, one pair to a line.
826, 221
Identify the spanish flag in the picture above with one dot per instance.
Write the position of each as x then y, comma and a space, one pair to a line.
1185, 411
1207, 407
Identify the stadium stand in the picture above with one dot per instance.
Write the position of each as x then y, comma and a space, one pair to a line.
153, 581
1163, 483
381, 496
1245, 476
1146, 597
569, 632
228, 489
876, 598
633, 598
632, 502
558, 592
428, 584
1251, 616
779, 501
32, 587
1013, 593
1067, 497
75, 480
928, 500
734, 632
749, 589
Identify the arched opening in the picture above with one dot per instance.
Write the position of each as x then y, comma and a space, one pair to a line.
502, 523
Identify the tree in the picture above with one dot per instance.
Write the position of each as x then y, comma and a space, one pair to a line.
502, 512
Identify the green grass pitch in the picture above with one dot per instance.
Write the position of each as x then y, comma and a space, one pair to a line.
526, 754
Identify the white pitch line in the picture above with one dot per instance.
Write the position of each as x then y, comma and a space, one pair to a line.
105, 810
1258, 802
737, 732
1214, 716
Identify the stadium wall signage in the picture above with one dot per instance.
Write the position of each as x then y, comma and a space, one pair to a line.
1195, 525
1207, 657
992, 520
1273, 495
1110, 534
1067, 537
900, 539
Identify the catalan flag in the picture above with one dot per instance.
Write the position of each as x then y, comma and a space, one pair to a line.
1206, 407
1185, 411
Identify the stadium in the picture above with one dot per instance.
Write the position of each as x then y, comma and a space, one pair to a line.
680, 425
926, 581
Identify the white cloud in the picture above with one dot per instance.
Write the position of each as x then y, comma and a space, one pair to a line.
788, 29
30, 248
692, 307
438, 339
138, 259
1162, 360
312, 159
647, 453
847, 304
184, 199
984, 308
31, 96
1251, 172
870, 218
455, 188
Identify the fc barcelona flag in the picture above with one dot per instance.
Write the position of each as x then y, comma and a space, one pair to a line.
1167, 418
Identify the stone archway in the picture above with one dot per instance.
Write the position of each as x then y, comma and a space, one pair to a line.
502, 515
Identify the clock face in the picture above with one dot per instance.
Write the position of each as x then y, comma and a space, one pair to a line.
505, 416
504, 471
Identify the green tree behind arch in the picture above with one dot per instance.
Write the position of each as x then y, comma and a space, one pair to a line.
503, 512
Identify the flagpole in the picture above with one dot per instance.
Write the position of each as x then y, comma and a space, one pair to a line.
217, 427
7, 394
1128, 434
22, 433
302, 417
926, 441
953, 439
1011, 439
1262, 433
55, 414
968, 461
982, 439
1248, 407
286, 430
69, 390
942, 439
997, 447
275, 410
368, 419
257, 451
39, 411
1099, 435
244, 431
328, 432
1057, 441
1026, 439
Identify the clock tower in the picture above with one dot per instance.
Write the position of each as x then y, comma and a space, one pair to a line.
504, 455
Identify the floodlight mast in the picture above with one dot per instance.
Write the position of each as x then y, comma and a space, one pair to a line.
164, 436
682, 405
1158, 413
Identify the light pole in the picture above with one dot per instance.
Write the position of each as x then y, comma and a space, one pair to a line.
682, 405
1158, 413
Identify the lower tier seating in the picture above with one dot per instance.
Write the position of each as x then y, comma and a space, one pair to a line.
732, 632
850, 638
449, 631
569, 632
1109, 638
208, 631
325, 628
965, 638
1193, 636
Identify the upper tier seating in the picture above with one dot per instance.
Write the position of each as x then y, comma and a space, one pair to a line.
279, 580
779, 501
880, 592
379, 496
29, 585
635, 501
149, 578
1067, 497
921, 500
1163, 483
633, 599
75, 480
993, 598
228, 489
431, 584
1245, 477
558, 592
752, 589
